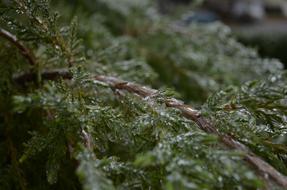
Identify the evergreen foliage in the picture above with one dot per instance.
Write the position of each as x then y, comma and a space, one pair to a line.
61, 127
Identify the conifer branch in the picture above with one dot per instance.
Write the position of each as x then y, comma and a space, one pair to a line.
95, 130
187, 111
190, 113
25, 52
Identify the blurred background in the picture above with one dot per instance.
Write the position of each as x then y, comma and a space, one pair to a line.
261, 24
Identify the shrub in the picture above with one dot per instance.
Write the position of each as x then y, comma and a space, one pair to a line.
69, 119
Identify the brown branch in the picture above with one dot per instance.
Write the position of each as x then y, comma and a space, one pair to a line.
204, 124
24, 78
27, 53
189, 112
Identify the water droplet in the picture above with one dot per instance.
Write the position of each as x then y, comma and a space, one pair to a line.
20, 12
39, 20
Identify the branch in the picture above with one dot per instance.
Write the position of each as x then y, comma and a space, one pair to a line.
189, 112
24, 78
23, 50
194, 115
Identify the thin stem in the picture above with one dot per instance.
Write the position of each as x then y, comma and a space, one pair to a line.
24, 78
27, 53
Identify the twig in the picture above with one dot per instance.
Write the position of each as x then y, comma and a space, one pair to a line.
23, 50
24, 78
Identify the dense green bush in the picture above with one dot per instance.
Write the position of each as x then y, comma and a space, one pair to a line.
62, 126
